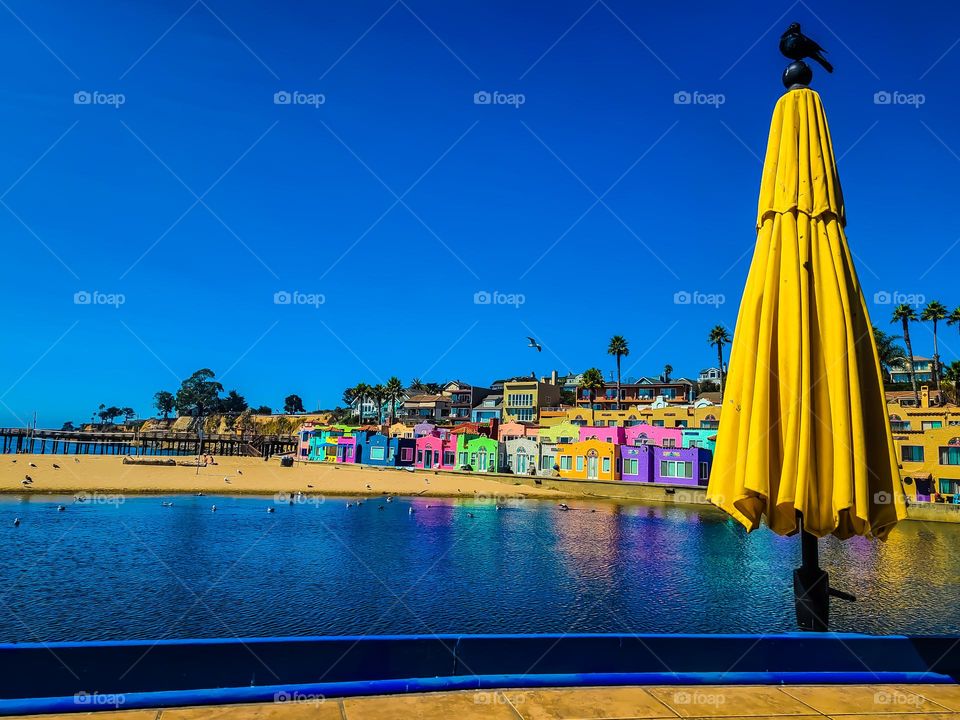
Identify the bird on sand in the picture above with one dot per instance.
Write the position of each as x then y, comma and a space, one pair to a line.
797, 46
76, 460
32, 465
534, 344
56, 467
28, 479
239, 471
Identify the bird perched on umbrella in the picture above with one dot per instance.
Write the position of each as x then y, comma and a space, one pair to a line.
797, 46
534, 344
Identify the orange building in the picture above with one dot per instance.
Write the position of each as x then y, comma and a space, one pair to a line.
589, 460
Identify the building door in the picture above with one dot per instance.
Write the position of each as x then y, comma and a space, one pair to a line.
482, 461
521, 462
428, 458
592, 467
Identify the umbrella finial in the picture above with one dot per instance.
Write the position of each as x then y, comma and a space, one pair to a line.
797, 75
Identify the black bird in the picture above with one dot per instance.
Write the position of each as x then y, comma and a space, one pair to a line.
797, 46
534, 344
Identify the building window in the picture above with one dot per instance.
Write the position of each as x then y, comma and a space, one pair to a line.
676, 469
391, 452
406, 455
950, 456
911, 453
376, 453
520, 399
523, 414
949, 487
704, 470
658, 423
448, 457
606, 465
899, 425
680, 423
579, 463
630, 467
420, 456
930, 424
709, 424
669, 442
565, 463
463, 459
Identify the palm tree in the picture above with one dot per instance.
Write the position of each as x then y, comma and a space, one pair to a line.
592, 380
952, 376
720, 337
934, 312
667, 369
418, 387
619, 348
889, 353
379, 394
360, 393
905, 314
394, 392
954, 318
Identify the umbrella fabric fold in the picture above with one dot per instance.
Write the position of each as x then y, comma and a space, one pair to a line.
804, 426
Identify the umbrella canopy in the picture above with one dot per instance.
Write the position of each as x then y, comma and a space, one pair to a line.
804, 426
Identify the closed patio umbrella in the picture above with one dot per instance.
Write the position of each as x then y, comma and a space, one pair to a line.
804, 439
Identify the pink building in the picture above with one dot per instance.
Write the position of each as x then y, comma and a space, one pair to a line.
613, 435
346, 449
654, 435
515, 429
436, 453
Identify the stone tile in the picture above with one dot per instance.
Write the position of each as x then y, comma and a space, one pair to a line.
863, 699
467, 705
946, 695
305, 710
587, 702
709, 701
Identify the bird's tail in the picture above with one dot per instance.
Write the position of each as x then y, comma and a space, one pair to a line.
823, 61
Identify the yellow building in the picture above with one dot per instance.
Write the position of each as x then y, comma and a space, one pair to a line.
927, 439
523, 399
685, 416
588, 460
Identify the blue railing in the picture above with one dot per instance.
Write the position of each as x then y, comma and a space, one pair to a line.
79, 677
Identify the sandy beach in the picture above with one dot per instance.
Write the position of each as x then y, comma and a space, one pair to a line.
242, 475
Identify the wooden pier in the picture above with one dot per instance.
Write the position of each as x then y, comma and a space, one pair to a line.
87, 442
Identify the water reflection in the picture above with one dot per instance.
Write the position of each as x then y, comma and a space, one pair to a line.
138, 569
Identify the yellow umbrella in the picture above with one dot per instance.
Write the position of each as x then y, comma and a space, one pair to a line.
804, 428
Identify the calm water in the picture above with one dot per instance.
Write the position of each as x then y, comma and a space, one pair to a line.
139, 570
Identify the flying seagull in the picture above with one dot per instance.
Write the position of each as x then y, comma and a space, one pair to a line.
797, 46
534, 344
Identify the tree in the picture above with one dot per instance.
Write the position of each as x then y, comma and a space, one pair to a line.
720, 337
394, 390
108, 414
667, 370
418, 387
128, 413
198, 394
591, 381
262, 410
164, 402
378, 394
293, 404
935, 312
233, 404
952, 376
361, 392
619, 348
889, 353
954, 318
904, 314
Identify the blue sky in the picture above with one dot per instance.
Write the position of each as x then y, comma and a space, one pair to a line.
176, 184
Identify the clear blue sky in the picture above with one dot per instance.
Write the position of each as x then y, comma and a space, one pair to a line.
398, 198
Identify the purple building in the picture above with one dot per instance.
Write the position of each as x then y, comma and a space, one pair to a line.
673, 466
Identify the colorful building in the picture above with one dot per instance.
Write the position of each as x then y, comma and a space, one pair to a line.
515, 429
491, 408
323, 442
427, 406
523, 398
682, 466
399, 429
464, 397
700, 437
522, 456
436, 453
346, 449
633, 395
614, 435
478, 453
702, 414
589, 460
374, 448
654, 435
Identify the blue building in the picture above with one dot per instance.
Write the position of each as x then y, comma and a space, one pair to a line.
375, 448
488, 409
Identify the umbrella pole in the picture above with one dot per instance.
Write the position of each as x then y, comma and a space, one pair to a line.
811, 586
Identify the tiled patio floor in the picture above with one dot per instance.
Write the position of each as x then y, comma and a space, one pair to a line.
850, 702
